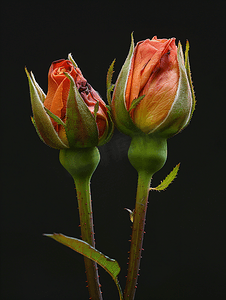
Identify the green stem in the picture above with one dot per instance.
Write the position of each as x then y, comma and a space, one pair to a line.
81, 163
147, 155
137, 234
87, 232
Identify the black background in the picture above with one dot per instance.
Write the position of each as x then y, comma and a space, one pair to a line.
184, 256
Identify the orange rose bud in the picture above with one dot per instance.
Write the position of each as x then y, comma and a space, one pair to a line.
153, 93
72, 111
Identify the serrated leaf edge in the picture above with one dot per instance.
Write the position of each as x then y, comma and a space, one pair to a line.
168, 180
110, 86
188, 70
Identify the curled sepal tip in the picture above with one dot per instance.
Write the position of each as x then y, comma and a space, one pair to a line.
72, 60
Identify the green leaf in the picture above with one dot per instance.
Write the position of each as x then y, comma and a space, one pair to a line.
54, 117
110, 86
169, 179
188, 70
135, 102
110, 265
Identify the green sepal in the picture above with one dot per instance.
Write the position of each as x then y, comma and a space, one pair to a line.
135, 102
110, 265
188, 69
110, 130
41, 94
109, 108
96, 108
42, 121
33, 122
72, 60
81, 128
121, 116
110, 86
54, 117
168, 180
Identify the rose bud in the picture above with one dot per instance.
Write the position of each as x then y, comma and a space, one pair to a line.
72, 114
153, 92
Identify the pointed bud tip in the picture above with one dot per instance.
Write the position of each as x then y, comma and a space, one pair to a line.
72, 60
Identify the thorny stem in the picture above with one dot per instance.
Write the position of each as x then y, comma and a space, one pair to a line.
87, 232
81, 163
137, 234
147, 154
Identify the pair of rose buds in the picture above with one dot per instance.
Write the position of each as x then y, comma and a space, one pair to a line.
153, 95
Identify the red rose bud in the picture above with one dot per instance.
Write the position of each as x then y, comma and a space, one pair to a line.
153, 93
72, 114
